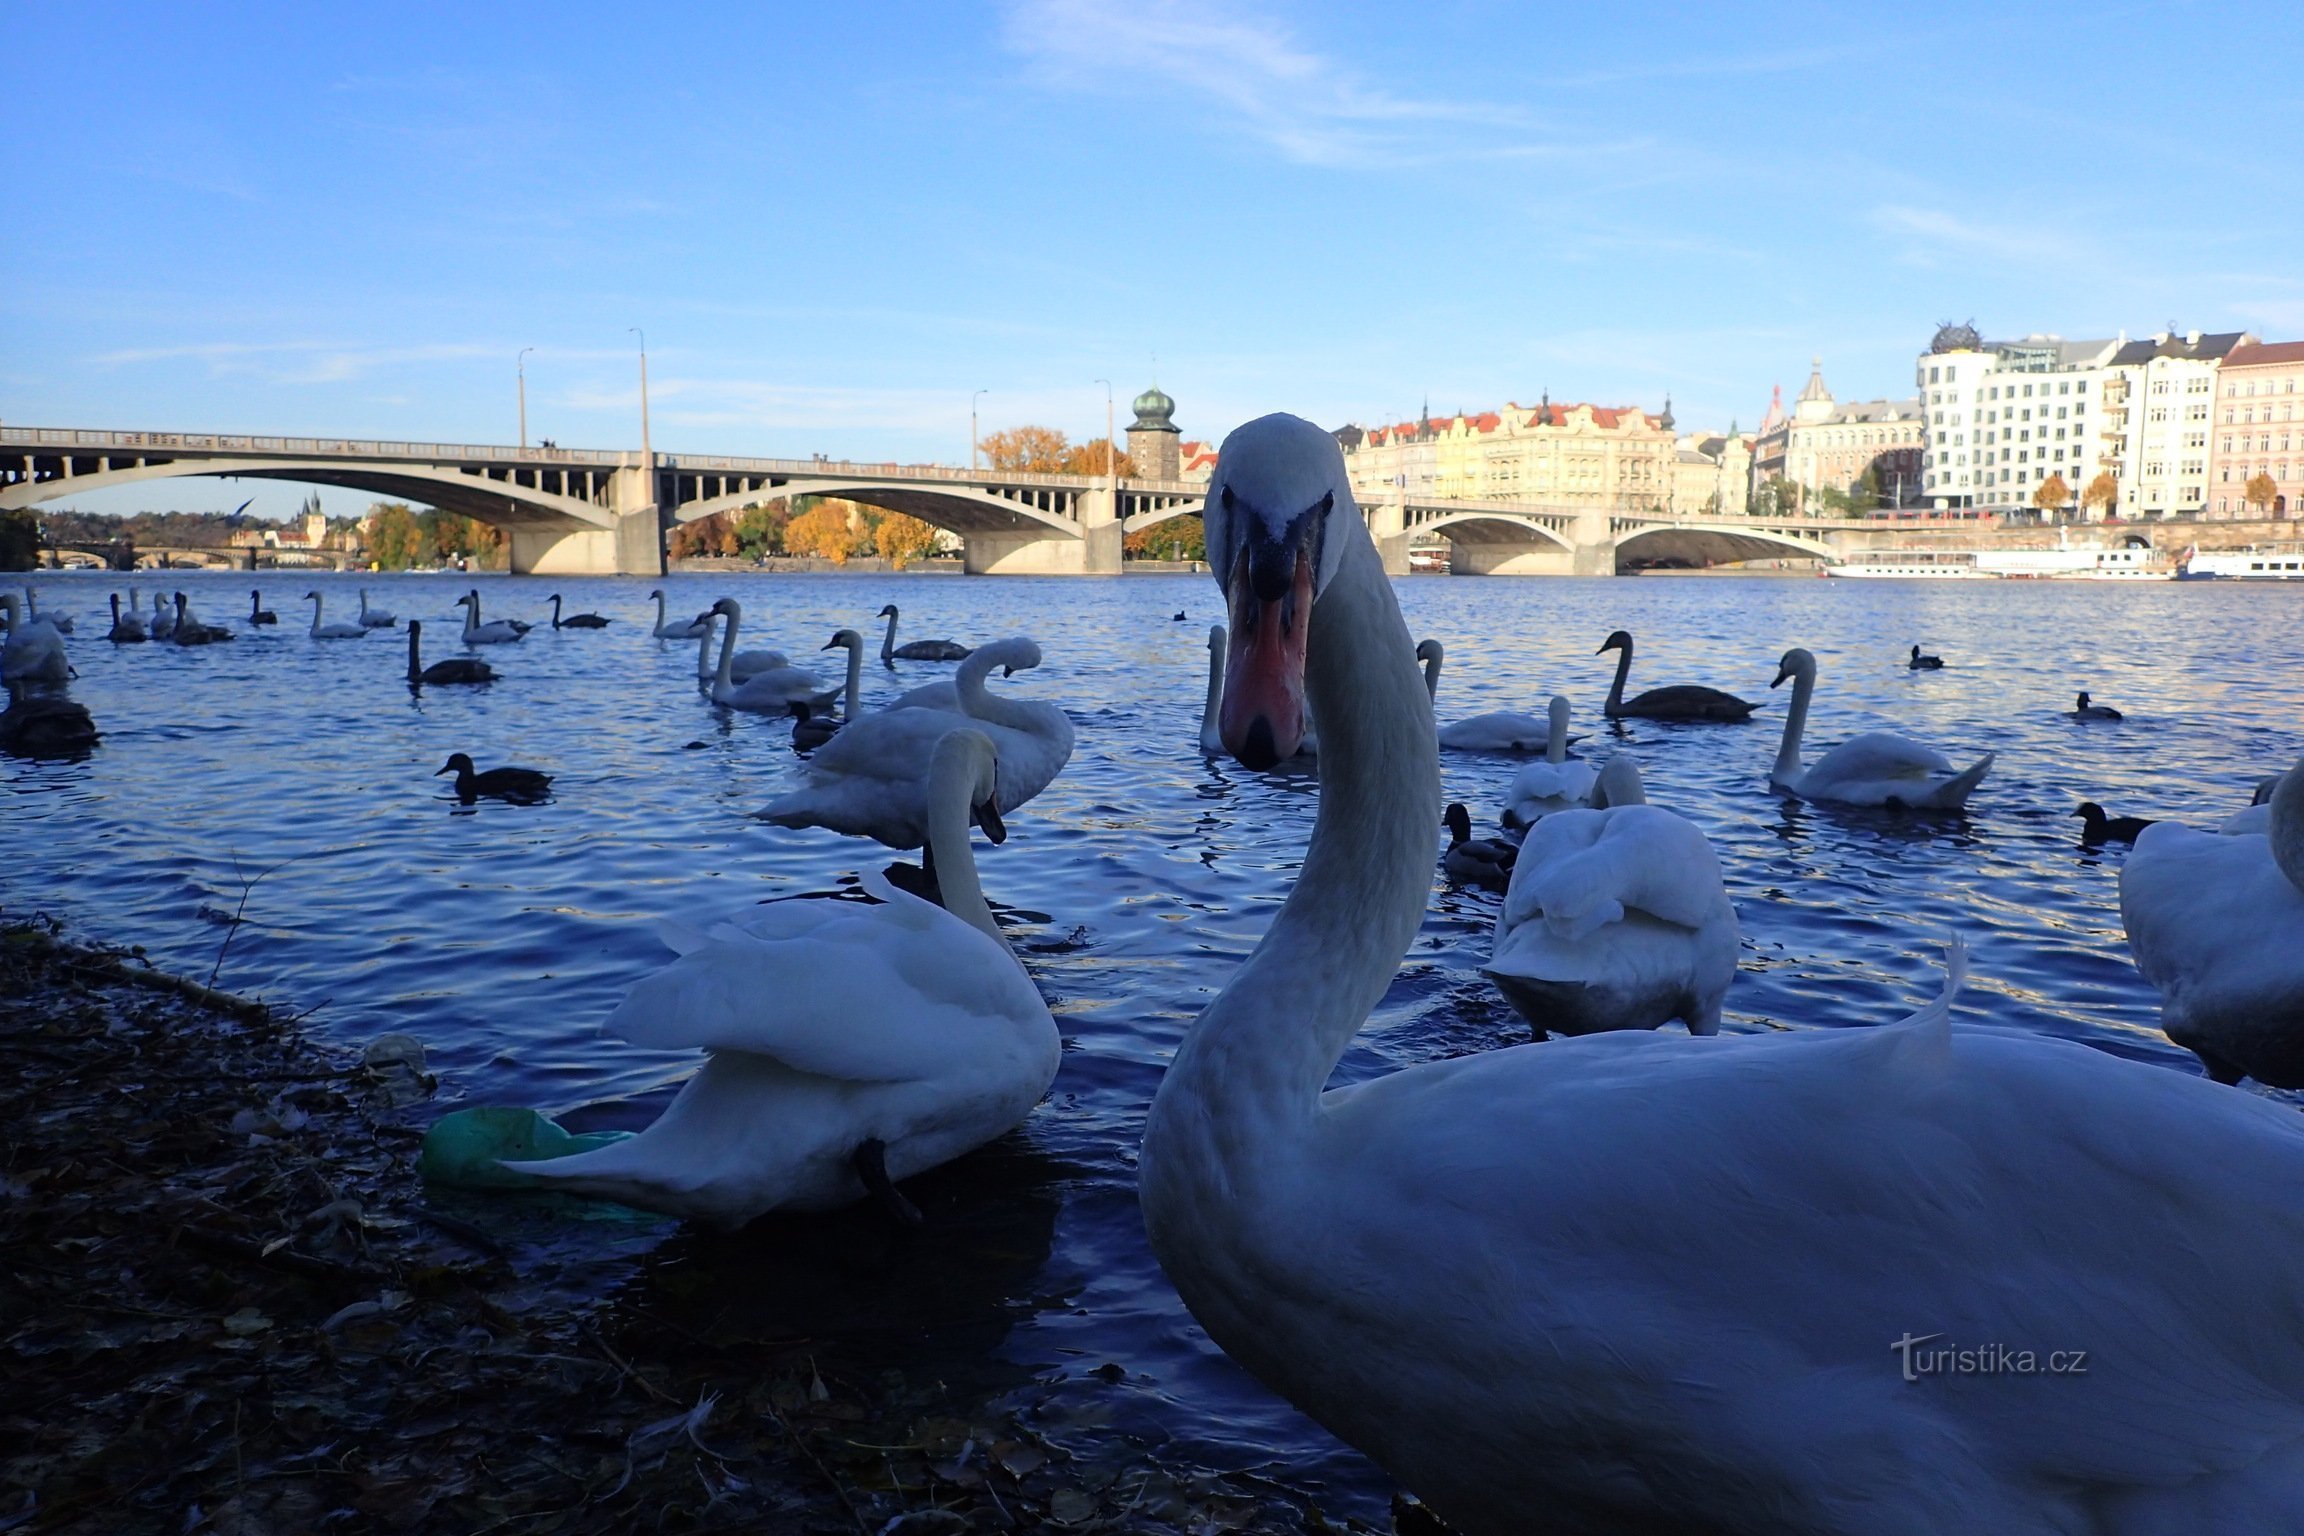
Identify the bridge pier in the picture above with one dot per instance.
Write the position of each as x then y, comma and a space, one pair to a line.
633, 547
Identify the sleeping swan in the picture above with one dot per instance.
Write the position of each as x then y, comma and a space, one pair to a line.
1643, 1281
846, 1045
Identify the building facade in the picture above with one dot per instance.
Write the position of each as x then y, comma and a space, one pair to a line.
2002, 418
2257, 430
2159, 406
1154, 444
1868, 449
1617, 457
1712, 474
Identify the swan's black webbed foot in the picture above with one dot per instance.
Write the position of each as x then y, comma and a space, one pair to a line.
871, 1163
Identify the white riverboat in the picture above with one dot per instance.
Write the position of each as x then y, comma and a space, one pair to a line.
1911, 564
2252, 564
2061, 563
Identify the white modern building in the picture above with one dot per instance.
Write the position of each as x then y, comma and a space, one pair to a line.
2003, 417
2160, 398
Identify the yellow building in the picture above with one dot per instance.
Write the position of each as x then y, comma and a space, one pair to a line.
1617, 457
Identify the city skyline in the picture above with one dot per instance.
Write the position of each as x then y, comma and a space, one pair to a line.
345, 226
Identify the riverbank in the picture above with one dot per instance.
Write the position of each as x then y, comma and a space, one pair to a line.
229, 1304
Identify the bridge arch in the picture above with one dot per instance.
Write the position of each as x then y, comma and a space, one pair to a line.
1713, 544
505, 502
962, 509
1492, 528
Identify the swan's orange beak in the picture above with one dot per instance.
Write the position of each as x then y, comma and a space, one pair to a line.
1261, 717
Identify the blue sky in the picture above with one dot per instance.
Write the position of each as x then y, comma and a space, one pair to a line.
835, 224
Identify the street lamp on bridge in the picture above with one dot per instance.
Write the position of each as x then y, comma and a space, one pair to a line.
647, 454
972, 399
521, 363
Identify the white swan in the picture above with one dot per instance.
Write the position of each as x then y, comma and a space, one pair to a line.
2257, 815
34, 651
163, 626
1499, 730
1211, 738
322, 631
61, 621
1876, 768
771, 691
868, 781
375, 618
848, 1045
687, 630
741, 666
2216, 924
1642, 1281
502, 632
1616, 919
1555, 784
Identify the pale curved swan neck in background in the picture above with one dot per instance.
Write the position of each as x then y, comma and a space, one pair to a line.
1796, 718
1433, 651
951, 787
1556, 740
981, 703
2288, 827
659, 611
1250, 1071
726, 675
316, 607
1623, 671
853, 689
704, 644
363, 602
1618, 784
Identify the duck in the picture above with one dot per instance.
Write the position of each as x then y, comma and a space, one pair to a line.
1485, 861
690, 630
33, 652
375, 618
575, 620
45, 725
2216, 924
520, 786
2082, 709
322, 631
1874, 769
501, 632
258, 614
2096, 827
868, 781
1555, 784
127, 624
848, 1045
188, 630
1648, 1281
456, 669
917, 650
1920, 663
1682, 701
163, 625
1211, 737
772, 691
62, 622
742, 666
1616, 918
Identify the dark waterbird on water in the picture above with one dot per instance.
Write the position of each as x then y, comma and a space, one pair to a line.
1920, 663
1485, 861
257, 612
1682, 701
2096, 827
456, 669
127, 627
2084, 710
917, 650
520, 786
189, 630
575, 620
45, 725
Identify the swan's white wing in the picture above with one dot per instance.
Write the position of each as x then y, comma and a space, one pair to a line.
1497, 731
885, 993
2214, 926
1751, 1223
2254, 819
1878, 755
1640, 858
1546, 784
939, 695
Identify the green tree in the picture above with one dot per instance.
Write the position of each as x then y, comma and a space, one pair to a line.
395, 541
1179, 538
760, 530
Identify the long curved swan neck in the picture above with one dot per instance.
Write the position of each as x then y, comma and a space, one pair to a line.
980, 702
1215, 697
956, 883
1623, 671
415, 660
704, 645
1556, 740
888, 640
317, 604
2288, 826
853, 689
726, 675
1432, 654
1795, 723
1255, 1063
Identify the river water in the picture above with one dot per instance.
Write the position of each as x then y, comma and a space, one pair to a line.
501, 935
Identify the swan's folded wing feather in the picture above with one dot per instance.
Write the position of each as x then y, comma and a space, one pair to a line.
1879, 755
2212, 921
871, 994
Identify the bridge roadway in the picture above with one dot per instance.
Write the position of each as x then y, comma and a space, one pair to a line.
605, 511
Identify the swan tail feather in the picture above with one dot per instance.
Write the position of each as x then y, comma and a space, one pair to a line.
1955, 791
1926, 1037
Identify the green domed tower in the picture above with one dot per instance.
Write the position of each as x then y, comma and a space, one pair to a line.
1153, 441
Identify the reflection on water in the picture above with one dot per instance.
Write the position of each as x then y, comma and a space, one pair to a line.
297, 774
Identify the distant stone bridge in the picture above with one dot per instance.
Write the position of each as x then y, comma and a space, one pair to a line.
606, 511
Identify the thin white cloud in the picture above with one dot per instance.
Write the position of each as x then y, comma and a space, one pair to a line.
312, 362
1932, 233
1309, 106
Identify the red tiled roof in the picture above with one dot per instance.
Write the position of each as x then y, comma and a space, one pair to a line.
2264, 352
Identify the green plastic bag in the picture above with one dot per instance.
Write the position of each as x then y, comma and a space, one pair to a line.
461, 1150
